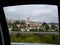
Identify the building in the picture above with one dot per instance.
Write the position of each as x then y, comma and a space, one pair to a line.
30, 25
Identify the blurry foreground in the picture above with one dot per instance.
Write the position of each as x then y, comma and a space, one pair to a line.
34, 38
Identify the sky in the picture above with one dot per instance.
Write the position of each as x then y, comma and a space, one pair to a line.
42, 13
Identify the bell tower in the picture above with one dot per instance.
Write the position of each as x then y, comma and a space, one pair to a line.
28, 24
28, 18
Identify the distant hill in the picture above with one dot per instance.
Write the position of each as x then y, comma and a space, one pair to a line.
54, 23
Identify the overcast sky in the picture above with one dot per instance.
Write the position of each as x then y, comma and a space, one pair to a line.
42, 13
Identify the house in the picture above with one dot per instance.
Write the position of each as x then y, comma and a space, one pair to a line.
52, 30
10, 28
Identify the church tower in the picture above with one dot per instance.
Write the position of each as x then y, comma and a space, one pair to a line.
28, 18
28, 24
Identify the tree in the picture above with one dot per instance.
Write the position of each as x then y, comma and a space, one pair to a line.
45, 26
33, 29
16, 22
15, 28
10, 24
53, 26
14, 25
22, 23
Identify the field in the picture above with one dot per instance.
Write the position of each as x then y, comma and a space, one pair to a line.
35, 38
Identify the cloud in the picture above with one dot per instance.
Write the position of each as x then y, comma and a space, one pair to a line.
41, 12
47, 13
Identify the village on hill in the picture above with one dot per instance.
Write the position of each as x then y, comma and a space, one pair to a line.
28, 25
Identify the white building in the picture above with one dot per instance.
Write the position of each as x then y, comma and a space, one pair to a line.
10, 28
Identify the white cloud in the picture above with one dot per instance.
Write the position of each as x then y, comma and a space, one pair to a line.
41, 11
47, 13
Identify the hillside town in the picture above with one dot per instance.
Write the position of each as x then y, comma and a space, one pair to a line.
28, 25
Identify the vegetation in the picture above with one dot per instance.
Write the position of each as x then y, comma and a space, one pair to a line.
53, 26
45, 25
33, 30
22, 23
17, 26
34, 38
16, 22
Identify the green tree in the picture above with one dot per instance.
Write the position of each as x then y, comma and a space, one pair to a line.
10, 24
22, 23
15, 28
33, 30
16, 22
45, 26
53, 26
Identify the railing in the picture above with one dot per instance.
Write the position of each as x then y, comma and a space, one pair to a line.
15, 32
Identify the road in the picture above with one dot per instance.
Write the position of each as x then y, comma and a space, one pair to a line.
15, 32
